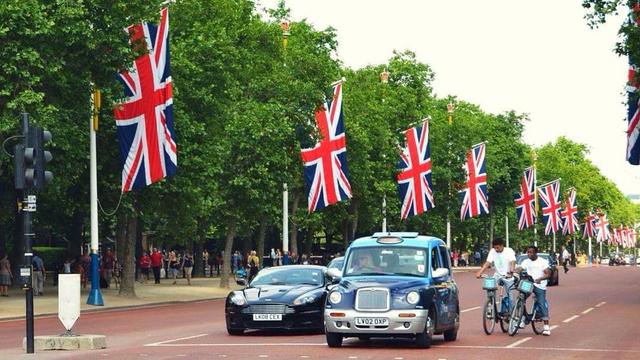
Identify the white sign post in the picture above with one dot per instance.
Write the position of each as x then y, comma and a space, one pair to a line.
68, 300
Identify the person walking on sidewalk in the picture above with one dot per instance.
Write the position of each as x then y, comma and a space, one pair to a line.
145, 265
156, 264
187, 265
5, 275
566, 256
39, 275
173, 265
108, 264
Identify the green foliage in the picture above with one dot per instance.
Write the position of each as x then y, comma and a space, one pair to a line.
51, 255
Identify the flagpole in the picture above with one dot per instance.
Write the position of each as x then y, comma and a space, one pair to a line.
95, 297
590, 254
506, 227
534, 157
384, 213
450, 108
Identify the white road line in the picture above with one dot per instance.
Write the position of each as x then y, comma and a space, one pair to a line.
571, 318
588, 310
164, 344
518, 342
174, 340
353, 357
553, 327
470, 309
263, 356
600, 304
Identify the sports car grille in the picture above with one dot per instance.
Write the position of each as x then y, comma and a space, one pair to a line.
267, 309
372, 299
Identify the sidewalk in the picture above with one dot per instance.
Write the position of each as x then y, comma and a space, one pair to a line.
148, 294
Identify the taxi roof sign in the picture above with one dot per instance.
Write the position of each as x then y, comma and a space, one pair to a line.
389, 240
395, 234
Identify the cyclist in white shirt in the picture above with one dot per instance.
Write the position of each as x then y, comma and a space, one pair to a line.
538, 269
504, 260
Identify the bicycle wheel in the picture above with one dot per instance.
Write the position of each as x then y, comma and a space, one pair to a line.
504, 324
489, 316
516, 316
536, 323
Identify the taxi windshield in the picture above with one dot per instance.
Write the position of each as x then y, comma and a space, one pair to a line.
404, 261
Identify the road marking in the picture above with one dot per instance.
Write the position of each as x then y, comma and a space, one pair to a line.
471, 309
600, 304
165, 344
353, 357
588, 310
304, 356
571, 318
174, 340
553, 327
518, 342
263, 356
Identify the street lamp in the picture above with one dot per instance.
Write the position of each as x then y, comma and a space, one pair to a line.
450, 108
384, 76
285, 32
384, 79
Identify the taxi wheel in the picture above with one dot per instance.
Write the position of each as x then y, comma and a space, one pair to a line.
423, 340
452, 334
235, 332
334, 340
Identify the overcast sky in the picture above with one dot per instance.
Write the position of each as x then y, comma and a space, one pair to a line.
535, 57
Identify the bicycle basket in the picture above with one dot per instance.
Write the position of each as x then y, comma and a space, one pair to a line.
489, 283
525, 286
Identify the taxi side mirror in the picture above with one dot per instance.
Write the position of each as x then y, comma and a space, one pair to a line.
439, 273
241, 281
334, 275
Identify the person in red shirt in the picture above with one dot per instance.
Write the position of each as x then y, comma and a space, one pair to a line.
145, 265
156, 263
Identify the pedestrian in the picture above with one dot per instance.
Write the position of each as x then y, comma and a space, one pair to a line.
253, 262
173, 265
39, 275
117, 272
66, 267
455, 257
235, 261
187, 265
5, 275
285, 258
566, 256
205, 262
85, 262
165, 263
465, 258
108, 263
476, 258
156, 264
272, 256
278, 257
219, 263
304, 260
78, 268
145, 266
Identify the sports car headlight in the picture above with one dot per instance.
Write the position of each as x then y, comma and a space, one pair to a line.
413, 297
305, 299
335, 297
238, 299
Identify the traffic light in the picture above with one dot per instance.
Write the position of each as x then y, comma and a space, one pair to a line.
30, 160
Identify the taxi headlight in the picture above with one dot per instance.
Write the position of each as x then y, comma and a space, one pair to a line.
335, 297
413, 297
238, 299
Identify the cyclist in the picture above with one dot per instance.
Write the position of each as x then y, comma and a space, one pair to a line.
538, 269
504, 260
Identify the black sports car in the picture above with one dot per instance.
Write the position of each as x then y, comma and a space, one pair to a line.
281, 297
555, 277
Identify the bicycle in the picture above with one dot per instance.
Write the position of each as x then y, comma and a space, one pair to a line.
490, 313
520, 312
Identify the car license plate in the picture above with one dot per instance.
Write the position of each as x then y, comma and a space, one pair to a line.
372, 321
267, 317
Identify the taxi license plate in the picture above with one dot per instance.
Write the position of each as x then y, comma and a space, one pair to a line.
372, 321
267, 317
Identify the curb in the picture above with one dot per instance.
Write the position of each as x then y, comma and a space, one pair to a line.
117, 308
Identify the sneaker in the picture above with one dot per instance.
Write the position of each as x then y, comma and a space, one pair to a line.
546, 331
522, 324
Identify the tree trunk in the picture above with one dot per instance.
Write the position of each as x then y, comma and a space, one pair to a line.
128, 250
491, 224
77, 226
262, 233
197, 257
354, 226
293, 237
228, 247
308, 244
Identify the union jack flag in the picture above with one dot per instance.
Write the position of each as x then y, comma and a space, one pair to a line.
475, 200
145, 119
617, 235
569, 214
414, 179
632, 237
526, 200
633, 100
325, 165
589, 226
550, 196
626, 237
602, 228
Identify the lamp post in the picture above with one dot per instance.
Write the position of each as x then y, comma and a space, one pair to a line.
534, 157
450, 108
384, 79
285, 190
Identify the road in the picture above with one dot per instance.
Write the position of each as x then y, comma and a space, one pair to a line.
595, 313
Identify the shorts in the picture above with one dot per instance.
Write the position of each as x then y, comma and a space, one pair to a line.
188, 270
5, 280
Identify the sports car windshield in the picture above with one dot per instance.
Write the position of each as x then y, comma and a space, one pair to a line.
404, 261
289, 276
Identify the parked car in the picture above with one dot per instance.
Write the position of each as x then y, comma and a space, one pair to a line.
393, 285
282, 297
336, 263
555, 276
